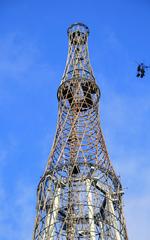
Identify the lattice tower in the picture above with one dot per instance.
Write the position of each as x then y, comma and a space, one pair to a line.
79, 195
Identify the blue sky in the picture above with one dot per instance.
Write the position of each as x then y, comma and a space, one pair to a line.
33, 51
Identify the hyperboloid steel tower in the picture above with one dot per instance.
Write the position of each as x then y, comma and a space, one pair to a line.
79, 195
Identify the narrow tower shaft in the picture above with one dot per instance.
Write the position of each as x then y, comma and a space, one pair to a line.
78, 64
79, 195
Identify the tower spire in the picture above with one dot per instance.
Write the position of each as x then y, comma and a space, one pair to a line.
79, 195
78, 62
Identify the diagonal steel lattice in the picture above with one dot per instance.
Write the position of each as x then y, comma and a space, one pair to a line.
79, 195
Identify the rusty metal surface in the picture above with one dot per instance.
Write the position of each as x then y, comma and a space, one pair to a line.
79, 195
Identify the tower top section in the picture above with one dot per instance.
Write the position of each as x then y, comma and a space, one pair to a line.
79, 28
78, 62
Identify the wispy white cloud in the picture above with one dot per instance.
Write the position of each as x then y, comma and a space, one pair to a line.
17, 55
18, 211
137, 210
17, 199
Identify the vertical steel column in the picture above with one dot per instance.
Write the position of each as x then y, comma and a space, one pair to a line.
113, 216
51, 217
73, 152
102, 230
91, 211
